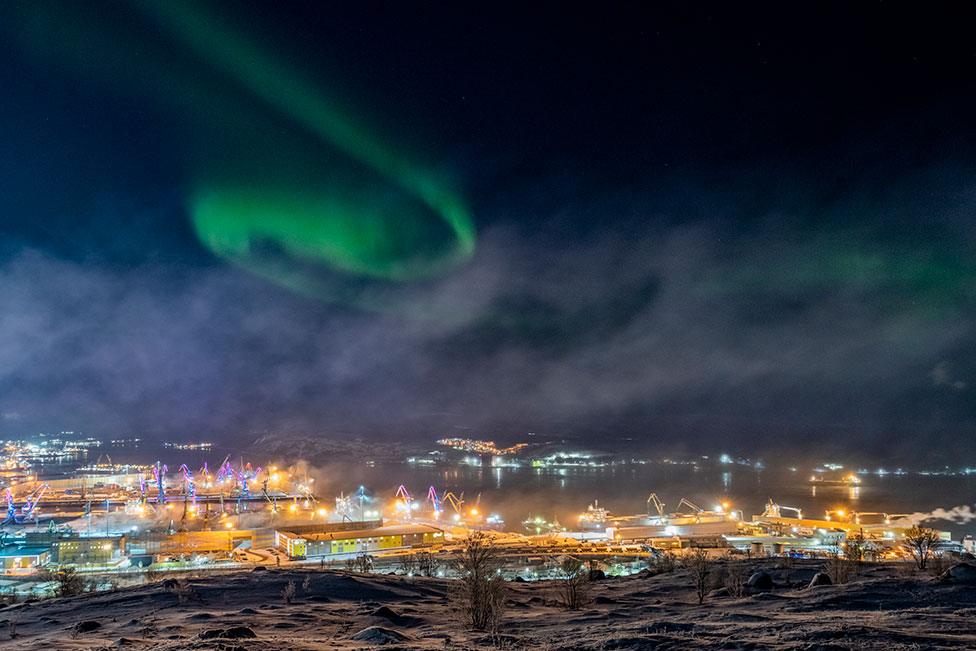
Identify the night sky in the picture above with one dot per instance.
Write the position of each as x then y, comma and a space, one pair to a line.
702, 227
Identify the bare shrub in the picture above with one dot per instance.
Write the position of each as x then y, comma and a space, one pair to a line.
307, 584
152, 575
855, 547
840, 569
480, 593
427, 564
288, 592
663, 563
574, 588
407, 564
182, 589
919, 543
12, 628
363, 563
700, 566
735, 578
787, 563
939, 562
67, 581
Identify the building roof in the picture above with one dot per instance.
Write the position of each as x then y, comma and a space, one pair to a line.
31, 550
392, 530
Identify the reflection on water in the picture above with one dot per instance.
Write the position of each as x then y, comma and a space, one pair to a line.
516, 493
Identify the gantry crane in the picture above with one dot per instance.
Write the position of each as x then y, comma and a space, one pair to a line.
653, 500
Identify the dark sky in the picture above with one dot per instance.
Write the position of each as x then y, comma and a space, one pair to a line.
698, 225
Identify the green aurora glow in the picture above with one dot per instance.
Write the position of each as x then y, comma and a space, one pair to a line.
341, 233
335, 215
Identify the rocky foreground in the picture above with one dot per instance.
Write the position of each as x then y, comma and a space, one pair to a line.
884, 607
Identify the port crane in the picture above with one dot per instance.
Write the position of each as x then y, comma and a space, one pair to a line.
653, 500
205, 473
245, 474
888, 517
344, 506
189, 485
435, 502
142, 490
774, 510
695, 509
159, 476
403, 500
27, 510
272, 501
455, 501
225, 471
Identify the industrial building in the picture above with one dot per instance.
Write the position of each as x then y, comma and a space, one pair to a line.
23, 559
313, 544
189, 542
85, 550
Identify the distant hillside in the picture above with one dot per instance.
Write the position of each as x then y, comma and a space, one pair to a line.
321, 449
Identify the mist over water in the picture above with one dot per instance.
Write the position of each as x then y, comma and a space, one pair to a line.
516, 494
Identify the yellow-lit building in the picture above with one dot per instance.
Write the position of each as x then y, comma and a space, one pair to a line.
83, 550
309, 544
23, 559
189, 542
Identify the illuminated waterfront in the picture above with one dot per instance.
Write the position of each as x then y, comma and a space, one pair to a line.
516, 491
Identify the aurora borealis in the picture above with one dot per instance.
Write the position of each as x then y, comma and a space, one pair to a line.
664, 223
351, 237
311, 220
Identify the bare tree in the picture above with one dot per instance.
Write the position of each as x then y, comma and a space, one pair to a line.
307, 584
427, 564
839, 569
854, 547
735, 578
407, 564
288, 592
663, 562
182, 589
919, 542
480, 592
701, 568
66, 579
574, 588
787, 563
363, 563
151, 575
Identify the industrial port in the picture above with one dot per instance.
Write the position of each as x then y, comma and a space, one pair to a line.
104, 518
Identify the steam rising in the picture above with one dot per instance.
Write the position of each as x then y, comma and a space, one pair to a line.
655, 337
957, 515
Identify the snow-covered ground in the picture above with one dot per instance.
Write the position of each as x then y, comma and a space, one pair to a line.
884, 608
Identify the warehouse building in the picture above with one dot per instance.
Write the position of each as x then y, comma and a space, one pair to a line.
23, 559
314, 544
88, 550
189, 543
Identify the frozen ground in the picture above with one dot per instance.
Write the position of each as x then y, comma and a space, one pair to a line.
883, 608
